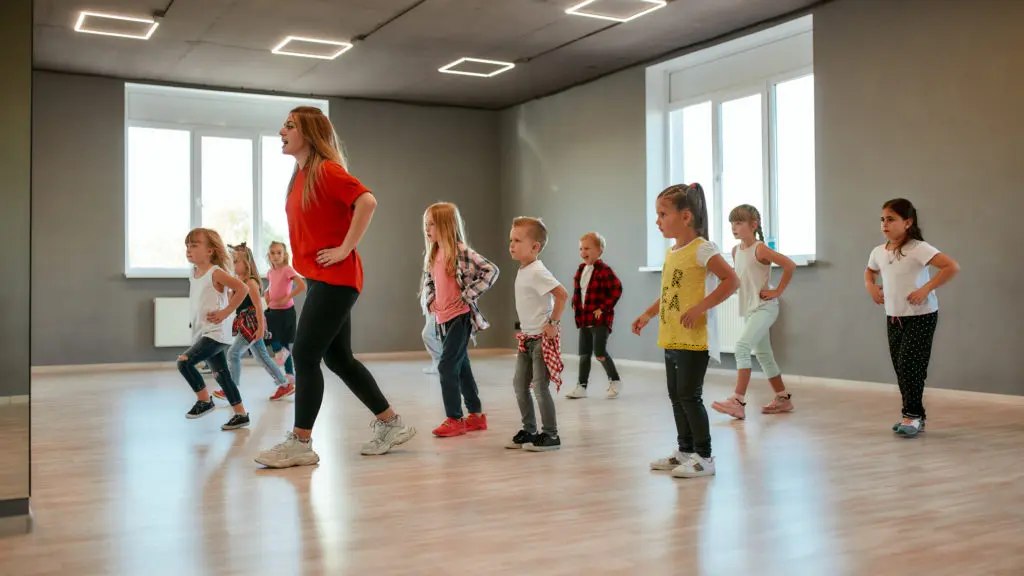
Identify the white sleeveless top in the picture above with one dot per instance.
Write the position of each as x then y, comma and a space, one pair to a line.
204, 298
754, 277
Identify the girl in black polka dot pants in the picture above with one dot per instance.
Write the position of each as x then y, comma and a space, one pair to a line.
910, 346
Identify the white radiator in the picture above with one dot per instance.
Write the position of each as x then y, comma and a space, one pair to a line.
730, 324
171, 322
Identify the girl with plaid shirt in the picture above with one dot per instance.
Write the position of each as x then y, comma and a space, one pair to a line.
454, 278
596, 290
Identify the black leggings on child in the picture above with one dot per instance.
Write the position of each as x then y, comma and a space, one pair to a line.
910, 346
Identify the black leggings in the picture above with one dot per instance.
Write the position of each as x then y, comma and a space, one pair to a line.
685, 370
325, 333
594, 340
910, 347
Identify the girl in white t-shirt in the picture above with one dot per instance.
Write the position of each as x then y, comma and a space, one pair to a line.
911, 307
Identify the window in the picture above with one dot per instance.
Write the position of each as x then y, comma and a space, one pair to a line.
200, 158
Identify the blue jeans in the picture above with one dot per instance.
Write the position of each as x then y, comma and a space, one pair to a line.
457, 381
212, 352
259, 351
756, 338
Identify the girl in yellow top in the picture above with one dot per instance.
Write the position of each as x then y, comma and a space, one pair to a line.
694, 279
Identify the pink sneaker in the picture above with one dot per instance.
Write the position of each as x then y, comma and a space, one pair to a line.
732, 407
778, 405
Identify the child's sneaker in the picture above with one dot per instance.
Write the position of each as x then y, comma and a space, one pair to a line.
696, 466
281, 357
522, 438
284, 391
672, 462
896, 426
614, 387
476, 422
200, 409
731, 406
387, 435
450, 427
778, 405
291, 452
909, 427
237, 421
543, 443
579, 391
219, 394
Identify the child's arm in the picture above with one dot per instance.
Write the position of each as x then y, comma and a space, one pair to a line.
483, 274
765, 254
871, 285
728, 283
948, 268
561, 297
300, 287
238, 293
644, 318
257, 303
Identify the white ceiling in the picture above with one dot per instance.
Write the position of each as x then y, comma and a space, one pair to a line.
227, 43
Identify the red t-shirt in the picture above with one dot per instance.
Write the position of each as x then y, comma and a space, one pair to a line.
324, 225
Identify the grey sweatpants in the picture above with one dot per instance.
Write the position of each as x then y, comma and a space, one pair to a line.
530, 368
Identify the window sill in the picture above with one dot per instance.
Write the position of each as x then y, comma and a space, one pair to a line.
801, 261
155, 273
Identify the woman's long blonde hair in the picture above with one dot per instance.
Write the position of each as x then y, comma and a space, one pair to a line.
244, 254
318, 133
213, 241
449, 230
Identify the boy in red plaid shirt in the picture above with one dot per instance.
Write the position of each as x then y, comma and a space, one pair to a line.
596, 290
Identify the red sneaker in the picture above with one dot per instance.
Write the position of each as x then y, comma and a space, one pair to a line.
476, 422
450, 427
220, 394
283, 391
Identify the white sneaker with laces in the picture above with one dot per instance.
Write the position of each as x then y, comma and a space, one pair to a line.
669, 463
614, 387
695, 467
577, 392
291, 452
387, 435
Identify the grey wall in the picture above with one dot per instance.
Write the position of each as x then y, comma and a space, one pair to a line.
915, 98
84, 309
15, 193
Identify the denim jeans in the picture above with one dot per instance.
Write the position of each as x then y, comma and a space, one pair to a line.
756, 339
685, 370
531, 369
594, 340
259, 351
212, 352
457, 381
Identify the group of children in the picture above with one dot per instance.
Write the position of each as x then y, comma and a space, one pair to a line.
695, 279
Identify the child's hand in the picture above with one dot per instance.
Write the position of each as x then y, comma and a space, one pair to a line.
217, 317
770, 294
692, 316
550, 332
597, 313
876, 293
919, 296
640, 322
260, 333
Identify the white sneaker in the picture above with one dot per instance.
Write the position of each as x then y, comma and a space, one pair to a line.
577, 392
291, 452
387, 435
613, 389
696, 466
672, 462
430, 370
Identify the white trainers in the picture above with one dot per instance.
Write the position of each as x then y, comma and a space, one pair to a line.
671, 462
614, 387
577, 392
696, 466
291, 452
387, 435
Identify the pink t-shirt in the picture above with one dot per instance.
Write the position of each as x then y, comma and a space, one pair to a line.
280, 286
448, 302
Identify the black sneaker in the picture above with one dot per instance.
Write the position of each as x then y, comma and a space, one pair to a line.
237, 421
200, 409
522, 437
543, 443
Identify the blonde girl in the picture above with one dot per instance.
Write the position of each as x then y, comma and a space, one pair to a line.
692, 268
212, 312
759, 307
284, 285
454, 278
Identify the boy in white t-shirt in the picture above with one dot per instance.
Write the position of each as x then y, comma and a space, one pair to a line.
911, 307
540, 300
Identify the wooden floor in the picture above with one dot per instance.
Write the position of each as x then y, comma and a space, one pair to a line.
122, 483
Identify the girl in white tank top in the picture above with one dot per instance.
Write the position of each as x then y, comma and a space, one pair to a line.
759, 306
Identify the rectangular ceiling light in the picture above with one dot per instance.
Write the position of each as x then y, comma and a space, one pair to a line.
311, 48
616, 10
115, 25
476, 67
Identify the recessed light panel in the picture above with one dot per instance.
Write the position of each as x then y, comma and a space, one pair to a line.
115, 25
616, 10
311, 48
477, 67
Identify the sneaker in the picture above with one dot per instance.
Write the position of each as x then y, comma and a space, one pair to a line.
672, 462
695, 467
283, 391
281, 357
778, 405
909, 427
732, 407
579, 391
450, 428
476, 422
237, 421
291, 452
219, 394
543, 442
614, 387
200, 409
430, 370
522, 438
896, 426
387, 435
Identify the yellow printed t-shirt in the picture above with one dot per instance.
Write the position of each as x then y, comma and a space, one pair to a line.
683, 286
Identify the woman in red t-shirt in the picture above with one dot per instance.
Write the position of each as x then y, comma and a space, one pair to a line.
328, 213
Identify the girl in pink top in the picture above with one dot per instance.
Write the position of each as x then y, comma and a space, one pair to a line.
285, 285
454, 277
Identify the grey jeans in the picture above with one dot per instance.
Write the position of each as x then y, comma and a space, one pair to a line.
530, 368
